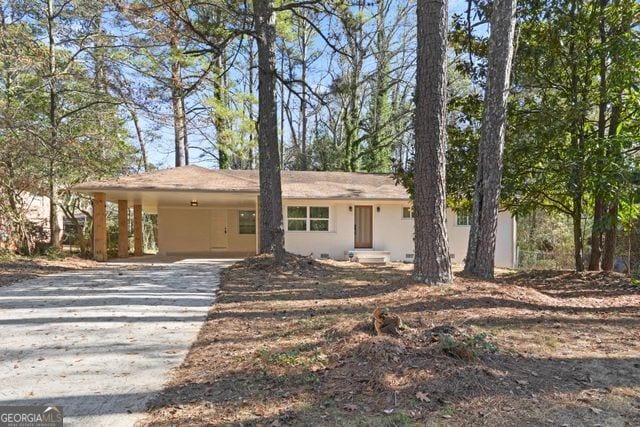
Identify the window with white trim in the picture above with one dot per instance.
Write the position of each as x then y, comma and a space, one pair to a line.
463, 217
307, 218
407, 212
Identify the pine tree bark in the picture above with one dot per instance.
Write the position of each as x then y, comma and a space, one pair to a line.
600, 204
177, 99
432, 260
55, 230
482, 238
219, 120
271, 227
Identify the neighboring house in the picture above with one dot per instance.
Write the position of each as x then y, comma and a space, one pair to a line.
326, 214
37, 211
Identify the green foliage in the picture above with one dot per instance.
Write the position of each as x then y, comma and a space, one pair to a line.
53, 254
467, 348
302, 355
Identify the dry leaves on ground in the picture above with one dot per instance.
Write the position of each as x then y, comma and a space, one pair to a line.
296, 346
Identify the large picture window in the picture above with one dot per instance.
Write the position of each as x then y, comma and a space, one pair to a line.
247, 222
307, 218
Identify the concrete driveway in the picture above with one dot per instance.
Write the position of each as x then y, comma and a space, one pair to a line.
101, 342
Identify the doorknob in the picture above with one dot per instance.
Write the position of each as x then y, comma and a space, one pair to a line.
225, 230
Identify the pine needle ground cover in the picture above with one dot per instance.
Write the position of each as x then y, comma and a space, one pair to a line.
16, 268
296, 345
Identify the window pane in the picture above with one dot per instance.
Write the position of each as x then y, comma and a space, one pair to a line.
463, 218
317, 212
297, 225
319, 225
247, 222
296, 211
407, 213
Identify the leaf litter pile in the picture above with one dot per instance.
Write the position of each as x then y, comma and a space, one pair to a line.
338, 343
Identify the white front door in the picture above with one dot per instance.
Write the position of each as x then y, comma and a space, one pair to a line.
218, 232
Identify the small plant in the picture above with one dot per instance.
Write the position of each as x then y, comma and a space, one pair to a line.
296, 356
53, 254
467, 349
635, 282
5, 254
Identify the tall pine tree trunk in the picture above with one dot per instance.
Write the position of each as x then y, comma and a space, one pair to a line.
271, 228
432, 260
482, 238
303, 99
177, 98
219, 119
55, 230
600, 204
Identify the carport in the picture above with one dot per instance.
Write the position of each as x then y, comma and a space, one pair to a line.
199, 214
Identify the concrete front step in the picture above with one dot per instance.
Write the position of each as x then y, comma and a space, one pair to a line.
369, 256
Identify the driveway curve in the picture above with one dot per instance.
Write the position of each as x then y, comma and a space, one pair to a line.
101, 342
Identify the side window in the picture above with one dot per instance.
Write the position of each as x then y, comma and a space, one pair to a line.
246, 222
463, 217
407, 212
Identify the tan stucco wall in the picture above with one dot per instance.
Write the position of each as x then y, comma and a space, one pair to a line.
188, 230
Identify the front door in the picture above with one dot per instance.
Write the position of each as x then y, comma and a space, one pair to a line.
218, 232
363, 226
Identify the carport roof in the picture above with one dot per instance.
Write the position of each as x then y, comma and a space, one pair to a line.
295, 184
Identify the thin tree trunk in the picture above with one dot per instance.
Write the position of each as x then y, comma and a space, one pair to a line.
177, 100
140, 136
575, 184
271, 228
599, 208
219, 120
577, 234
54, 226
250, 153
282, 106
482, 238
303, 99
610, 236
432, 259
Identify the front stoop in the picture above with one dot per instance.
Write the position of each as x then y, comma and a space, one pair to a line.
369, 256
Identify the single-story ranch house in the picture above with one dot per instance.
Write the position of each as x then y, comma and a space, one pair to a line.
326, 215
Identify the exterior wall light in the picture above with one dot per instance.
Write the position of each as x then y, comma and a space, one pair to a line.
377, 208
350, 208
194, 202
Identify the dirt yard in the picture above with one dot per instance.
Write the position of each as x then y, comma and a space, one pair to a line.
15, 269
298, 348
